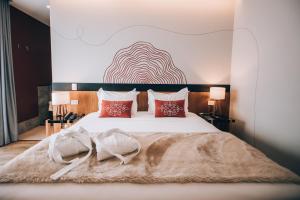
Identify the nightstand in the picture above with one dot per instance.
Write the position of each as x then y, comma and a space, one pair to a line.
220, 122
55, 124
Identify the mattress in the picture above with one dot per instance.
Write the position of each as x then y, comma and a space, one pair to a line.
144, 122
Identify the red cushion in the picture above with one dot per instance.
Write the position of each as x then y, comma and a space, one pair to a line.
169, 108
116, 109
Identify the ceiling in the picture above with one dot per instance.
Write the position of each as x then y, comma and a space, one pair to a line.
35, 8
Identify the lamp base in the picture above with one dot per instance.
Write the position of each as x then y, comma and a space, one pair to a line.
214, 107
60, 110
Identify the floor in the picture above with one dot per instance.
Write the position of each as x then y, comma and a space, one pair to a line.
10, 151
37, 133
26, 140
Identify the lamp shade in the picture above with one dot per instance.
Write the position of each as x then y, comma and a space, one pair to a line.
217, 93
60, 98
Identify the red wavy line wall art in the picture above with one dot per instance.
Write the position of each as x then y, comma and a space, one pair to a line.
142, 63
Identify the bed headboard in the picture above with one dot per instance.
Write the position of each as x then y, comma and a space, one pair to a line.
88, 100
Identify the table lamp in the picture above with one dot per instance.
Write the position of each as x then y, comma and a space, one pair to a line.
216, 94
60, 100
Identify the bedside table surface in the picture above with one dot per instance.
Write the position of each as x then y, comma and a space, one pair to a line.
61, 120
221, 122
215, 118
55, 124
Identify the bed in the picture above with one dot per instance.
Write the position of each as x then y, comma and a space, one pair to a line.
141, 123
182, 140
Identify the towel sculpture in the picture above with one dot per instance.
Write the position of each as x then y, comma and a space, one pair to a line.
112, 143
116, 143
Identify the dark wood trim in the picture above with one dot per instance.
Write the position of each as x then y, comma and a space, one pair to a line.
139, 87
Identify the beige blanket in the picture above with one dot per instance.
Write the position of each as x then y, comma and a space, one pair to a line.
172, 158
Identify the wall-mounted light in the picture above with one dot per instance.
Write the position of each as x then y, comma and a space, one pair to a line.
48, 6
74, 86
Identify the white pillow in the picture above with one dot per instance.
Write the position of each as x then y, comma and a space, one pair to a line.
118, 96
182, 94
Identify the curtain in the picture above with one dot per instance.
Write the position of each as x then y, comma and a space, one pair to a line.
8, 110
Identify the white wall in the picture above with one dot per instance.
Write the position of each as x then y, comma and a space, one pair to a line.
268, 111
85, 35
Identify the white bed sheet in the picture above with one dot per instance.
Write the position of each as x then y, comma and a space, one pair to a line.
146, 122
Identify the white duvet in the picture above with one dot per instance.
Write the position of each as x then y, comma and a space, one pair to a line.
146, 122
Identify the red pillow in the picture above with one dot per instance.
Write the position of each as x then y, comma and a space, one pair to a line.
116, 109
169, 108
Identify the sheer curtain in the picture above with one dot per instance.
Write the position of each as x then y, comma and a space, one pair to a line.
8, 110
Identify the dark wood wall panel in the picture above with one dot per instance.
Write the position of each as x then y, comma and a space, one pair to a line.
32, 61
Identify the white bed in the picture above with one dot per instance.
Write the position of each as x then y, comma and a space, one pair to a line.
144, 122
